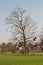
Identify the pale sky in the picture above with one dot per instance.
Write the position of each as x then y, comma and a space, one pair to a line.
33, 7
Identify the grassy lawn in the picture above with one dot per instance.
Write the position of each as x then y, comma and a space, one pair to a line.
20, 60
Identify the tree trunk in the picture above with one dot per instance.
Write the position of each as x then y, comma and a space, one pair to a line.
25, 45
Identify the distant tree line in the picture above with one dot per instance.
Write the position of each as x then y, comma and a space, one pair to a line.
19, 48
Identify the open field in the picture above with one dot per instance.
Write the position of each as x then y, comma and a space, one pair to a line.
20, 60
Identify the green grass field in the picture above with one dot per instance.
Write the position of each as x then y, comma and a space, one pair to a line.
20, 60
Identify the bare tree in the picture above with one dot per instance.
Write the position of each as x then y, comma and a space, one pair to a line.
21, 26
